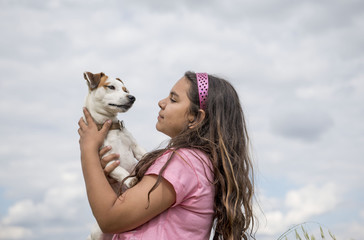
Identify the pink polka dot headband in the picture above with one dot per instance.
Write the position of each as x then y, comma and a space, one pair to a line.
203, 87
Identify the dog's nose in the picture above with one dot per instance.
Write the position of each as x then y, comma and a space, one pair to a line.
131, 98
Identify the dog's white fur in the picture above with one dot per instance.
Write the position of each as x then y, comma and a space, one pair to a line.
106, 98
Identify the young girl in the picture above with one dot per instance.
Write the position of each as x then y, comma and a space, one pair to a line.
202, 178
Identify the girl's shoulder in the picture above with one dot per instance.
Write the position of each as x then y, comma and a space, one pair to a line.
188, 154
186, 157
194, 160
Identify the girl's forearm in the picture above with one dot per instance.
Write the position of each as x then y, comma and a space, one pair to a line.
100, 194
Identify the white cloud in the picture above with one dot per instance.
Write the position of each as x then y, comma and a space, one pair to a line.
63, 208
298, 206
310, 201
11, 232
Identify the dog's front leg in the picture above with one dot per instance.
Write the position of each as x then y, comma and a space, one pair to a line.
119, 174
138, 151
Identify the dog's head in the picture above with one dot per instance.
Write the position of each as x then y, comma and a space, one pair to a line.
108, 94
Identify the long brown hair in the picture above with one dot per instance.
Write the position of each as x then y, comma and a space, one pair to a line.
223, 136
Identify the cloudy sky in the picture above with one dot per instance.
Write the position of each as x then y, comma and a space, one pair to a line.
297, 65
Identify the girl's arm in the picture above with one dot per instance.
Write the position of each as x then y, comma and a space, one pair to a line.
117, 213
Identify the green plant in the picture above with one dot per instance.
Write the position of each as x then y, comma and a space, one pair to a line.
307, 231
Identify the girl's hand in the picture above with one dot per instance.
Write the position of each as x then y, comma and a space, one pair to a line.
105, 160
91, 138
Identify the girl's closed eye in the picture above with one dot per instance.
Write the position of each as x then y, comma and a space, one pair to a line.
173, 97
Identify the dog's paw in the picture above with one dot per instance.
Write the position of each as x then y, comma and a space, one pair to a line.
130, 182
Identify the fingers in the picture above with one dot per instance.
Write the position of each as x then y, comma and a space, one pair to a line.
112, 157
109, 168
109, 163
87, 115
105, 128
104, 150
82, 123
89, 120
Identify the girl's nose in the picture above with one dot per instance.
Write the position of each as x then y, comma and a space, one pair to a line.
162, 104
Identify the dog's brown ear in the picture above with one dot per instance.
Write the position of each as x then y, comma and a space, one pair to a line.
92, 80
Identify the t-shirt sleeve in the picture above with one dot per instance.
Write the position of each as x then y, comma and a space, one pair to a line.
179, 172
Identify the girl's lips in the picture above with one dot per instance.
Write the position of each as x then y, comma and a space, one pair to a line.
160, 116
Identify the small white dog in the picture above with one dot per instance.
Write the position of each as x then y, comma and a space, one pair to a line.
107, 97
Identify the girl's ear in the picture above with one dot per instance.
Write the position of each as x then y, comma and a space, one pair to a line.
196, 120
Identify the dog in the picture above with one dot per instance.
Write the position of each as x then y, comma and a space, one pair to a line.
106, 98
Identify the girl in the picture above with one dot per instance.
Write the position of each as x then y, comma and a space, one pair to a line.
202, 178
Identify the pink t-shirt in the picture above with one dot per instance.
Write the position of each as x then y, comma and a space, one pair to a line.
191, 217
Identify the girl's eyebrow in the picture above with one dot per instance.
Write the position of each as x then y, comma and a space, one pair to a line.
174, 94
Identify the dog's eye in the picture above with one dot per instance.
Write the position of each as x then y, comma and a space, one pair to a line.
111, 87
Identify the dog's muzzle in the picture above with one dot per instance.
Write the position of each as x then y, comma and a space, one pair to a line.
125, 106
131, 98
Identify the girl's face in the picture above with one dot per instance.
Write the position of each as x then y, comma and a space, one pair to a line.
174, 115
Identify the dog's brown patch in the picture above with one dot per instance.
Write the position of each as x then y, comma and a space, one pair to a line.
103, 82
125, 90
119, 80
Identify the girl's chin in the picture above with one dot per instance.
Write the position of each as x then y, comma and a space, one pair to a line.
159, 129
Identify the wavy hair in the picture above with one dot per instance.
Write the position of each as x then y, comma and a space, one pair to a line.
223, 136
